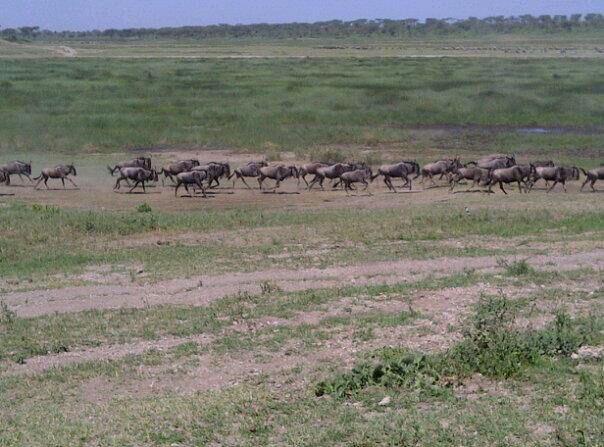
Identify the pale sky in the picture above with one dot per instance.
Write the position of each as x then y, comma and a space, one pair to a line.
102, 14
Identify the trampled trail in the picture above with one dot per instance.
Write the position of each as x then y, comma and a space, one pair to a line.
190, 292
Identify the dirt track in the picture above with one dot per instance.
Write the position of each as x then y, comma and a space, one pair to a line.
188, 292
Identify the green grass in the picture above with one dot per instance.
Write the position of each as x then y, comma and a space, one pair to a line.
429, 407
101, 105
39, 241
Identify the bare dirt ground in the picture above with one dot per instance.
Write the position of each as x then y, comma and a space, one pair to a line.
189, 291
96, 189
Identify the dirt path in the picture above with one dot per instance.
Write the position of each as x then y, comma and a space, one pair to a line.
66, 51
189, 292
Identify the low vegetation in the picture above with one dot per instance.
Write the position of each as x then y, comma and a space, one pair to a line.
295, 104
492, 346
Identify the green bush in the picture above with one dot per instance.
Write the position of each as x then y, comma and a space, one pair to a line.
144, 208
492, 345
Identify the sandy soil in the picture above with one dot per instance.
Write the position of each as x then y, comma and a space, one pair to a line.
188, 291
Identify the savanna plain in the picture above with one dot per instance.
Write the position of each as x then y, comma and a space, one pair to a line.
296, 317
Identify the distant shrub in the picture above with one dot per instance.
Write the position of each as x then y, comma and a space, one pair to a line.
516, 268
144, 208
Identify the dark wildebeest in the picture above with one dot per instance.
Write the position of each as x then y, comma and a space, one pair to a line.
557, 174
252, 169
440, 167
16, 167
60, 171
495, 163
4, 176
542, 164
506, 175
528, 172
277, 173
177, 167
139, 162
138, 175
356, 176
215, 171
399, 170
191, 178
592, 177
478, 176
330, 172
309, 168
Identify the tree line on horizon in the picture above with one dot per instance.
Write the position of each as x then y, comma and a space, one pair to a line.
332, 28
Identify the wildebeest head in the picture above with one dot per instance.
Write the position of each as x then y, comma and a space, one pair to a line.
71, 170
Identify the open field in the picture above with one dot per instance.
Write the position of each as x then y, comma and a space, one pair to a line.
572, 45
81, 106
300, 318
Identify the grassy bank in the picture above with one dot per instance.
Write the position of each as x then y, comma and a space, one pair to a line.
105, 105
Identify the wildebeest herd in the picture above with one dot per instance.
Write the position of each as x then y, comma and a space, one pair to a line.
486, 172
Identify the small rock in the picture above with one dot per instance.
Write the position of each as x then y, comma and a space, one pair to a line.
385, 401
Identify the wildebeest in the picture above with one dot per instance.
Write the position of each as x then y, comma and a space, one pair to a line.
400, 170
528, 172
252, 169
60, 171
478, 176
495, 163
556, 174
506, 175
330, 172
172, 169
543, 163
214, 171
15, 167
277, 173
139, 162
3, 175
440, 167
138, 175
592, 177
309, 168
356, 176
191, 178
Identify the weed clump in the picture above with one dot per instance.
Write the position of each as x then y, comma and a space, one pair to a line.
492, 345
516, 268
144, 208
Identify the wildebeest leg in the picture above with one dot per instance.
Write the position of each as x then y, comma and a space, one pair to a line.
71, 181
135, 185
176, 188
144, 190
20, 177
243, 180
564, 186
203, 191
46, 182
303, 178
519, 187
501, 186
584, 183
366, 185
63, 181
593, 182
553, 186
38, 182
389, 183
260, 180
